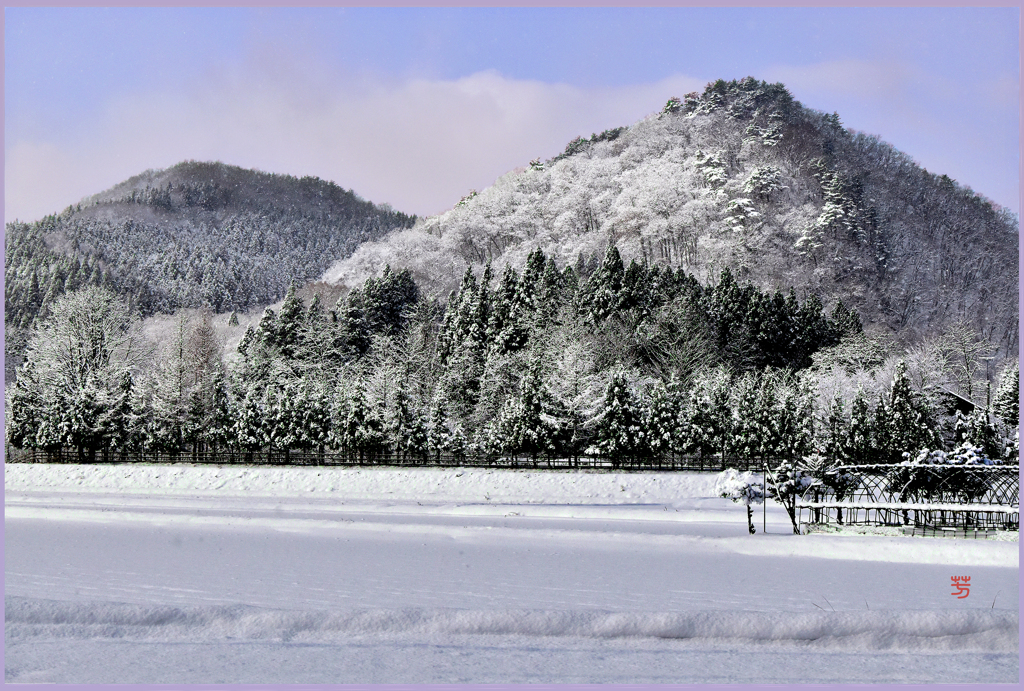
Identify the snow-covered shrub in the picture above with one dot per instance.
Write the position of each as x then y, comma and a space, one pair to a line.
964, 454
741, 488
936, 475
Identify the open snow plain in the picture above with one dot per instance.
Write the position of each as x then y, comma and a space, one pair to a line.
181, 574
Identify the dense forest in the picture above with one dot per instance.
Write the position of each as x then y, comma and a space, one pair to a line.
619, 361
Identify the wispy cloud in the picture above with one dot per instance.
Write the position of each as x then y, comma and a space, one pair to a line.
417, 144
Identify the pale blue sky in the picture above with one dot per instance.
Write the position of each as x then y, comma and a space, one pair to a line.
415, 106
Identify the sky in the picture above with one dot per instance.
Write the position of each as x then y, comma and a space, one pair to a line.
415, 107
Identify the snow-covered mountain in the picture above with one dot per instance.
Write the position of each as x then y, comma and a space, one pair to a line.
193, 235
742, 176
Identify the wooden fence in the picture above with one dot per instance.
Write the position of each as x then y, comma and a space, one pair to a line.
293, 457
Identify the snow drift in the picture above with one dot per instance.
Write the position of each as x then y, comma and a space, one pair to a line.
981, 630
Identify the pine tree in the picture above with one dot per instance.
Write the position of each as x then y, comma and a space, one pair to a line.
80, 420
638, 286
460, 319
530, 283
976, 430
219, 415
529, 422
661, 419
250, 414
598, 297
618, 427
796, 428
408, 429
836, 432
438, 435
193, 426
859, 447
289, 323
280, 404
844, 321
901, 421
24, 409
1006, 402
508, 328
550, 294
710, 423
388, 299
750, 430
361, 429
482, 307
813, 331
266, 330
354, 334
322, 348
247, 340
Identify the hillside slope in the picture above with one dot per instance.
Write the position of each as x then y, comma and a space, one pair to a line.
195, 234
741, 176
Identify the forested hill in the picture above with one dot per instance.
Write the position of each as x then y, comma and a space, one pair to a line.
745, 177
196, 234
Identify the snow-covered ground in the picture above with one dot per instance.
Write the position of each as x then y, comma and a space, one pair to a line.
180, 574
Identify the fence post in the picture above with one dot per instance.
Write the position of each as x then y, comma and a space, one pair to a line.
764, 499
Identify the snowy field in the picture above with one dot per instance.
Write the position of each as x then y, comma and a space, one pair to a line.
180, 574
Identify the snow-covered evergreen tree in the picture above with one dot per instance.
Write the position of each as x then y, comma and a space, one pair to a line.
709, 420
835, 432
901, 422
439, 436
249, 429
289, 323
1006, 401
361, 428
756, 430
859, 447
661, 419
598, 297
618, 427
976, 429
24, 409
530, 422
407, 428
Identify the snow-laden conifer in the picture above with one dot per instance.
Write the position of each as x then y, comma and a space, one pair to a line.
662, 418
618, 430
901, 420
289, 323
1006, 401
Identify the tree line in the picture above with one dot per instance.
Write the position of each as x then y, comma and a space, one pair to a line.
617, 361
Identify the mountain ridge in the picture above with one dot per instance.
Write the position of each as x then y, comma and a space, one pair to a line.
195, 234
740, 176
